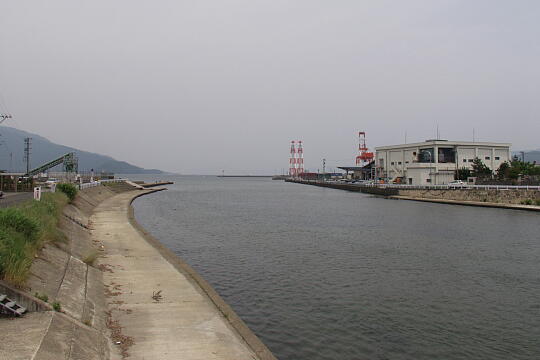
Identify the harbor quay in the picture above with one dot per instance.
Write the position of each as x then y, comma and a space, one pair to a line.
509, 197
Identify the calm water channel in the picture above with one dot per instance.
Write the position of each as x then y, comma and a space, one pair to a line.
327, 274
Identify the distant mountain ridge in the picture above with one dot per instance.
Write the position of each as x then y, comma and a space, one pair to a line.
43, 151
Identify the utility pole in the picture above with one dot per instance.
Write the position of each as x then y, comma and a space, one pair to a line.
27, 148
324, 169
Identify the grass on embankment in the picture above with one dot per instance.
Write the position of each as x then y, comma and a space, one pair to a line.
24, 230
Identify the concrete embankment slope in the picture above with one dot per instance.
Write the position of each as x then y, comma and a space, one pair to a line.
158, 307
79, 332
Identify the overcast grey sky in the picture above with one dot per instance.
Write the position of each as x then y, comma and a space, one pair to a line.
200, 86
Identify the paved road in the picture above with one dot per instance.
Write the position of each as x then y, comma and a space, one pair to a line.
12, 199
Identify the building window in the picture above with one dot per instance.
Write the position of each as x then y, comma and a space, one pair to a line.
428, 180
497, 158
464, 160
406, 162
487, 157
426, 155
392, 163
470, 160
446, 155
399, 162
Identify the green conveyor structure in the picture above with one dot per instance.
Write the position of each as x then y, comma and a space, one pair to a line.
69, 160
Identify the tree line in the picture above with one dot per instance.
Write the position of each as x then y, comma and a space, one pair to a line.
508, 170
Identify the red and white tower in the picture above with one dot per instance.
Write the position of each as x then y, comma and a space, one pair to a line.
365, 157
292, 160
300, 159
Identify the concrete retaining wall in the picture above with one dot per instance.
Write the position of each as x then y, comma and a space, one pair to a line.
24, 299
510, 196
500, 198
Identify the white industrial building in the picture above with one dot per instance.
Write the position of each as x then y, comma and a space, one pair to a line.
435, 161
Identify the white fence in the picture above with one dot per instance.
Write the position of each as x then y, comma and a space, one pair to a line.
98, 183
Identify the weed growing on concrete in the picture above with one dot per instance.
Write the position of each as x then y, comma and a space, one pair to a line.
537, 202
527, 202
24, 230
156, 295
91, 258
42, 297
56, 306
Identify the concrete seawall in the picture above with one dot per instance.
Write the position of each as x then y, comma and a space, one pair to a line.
59, 274
349, 187
137, 301
260, 349
501, 196
159, 307
507, 199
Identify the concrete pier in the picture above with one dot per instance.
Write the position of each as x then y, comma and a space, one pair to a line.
156, 308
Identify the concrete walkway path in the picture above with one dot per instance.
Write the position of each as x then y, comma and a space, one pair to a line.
156, 312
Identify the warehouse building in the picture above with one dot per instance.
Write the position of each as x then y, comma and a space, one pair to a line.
435, 161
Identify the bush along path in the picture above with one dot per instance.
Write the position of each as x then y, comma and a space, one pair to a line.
26, 229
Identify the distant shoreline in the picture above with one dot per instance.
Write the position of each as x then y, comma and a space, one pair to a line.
245, 176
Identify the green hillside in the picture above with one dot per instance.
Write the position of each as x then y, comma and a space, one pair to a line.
43, 150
